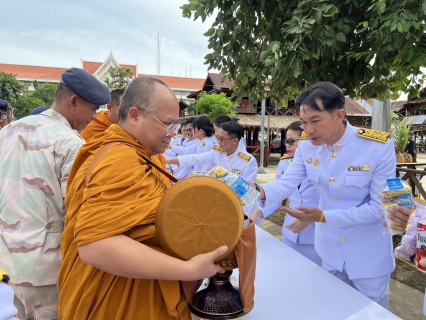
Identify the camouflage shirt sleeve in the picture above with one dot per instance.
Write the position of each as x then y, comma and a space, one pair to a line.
66, 166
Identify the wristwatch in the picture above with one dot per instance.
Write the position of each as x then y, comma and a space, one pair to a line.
257, 187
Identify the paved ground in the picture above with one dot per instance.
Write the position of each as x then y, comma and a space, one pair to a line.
405, 302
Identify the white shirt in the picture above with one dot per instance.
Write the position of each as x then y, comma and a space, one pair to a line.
348, 176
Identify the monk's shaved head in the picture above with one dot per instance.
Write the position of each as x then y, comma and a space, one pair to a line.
141, 94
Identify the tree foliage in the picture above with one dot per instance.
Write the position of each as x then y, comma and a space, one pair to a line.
26, 104
214, 105
46, 93
372, 48
11, 88
119, 78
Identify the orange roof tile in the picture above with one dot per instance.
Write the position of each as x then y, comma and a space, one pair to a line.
91, 67
33, 71
179, 82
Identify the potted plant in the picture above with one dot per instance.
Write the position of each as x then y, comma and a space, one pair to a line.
400, 136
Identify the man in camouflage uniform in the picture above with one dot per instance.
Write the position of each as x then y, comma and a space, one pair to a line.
36, 156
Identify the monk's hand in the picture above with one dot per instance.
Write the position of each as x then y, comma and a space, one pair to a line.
400, 216
305, 214
203, 266
297, 226
256, 214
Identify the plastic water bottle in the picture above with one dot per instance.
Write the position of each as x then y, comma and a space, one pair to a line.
406, 201
247, 194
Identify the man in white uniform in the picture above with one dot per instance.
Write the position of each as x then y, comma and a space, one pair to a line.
348, 166
229, 154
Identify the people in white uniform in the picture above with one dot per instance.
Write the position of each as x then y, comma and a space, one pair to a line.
228, 154
296, 234
222, 119
204, 133
348, 166
183, 145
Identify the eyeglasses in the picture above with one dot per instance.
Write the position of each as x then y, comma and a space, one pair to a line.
221, 139
290, 142
187, 130
170, 128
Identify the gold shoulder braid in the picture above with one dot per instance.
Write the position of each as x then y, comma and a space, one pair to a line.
286, 156
374, 135
244, 156
3, 275
303, 136
217, 148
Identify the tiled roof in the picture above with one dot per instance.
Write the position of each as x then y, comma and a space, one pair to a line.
91, 67
397, 105
215, 78
353, 108
179, 82
33, 71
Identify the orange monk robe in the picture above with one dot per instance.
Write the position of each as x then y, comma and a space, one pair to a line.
121, 198
99, 125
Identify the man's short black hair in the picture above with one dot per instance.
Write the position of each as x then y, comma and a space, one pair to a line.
115, 97
332, 97
233, 128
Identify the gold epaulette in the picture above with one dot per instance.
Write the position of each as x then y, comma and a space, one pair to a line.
286, 156
3, 275
217, 148
190, 139
178, 136
374, 135
244, 156
303, 136
203, 144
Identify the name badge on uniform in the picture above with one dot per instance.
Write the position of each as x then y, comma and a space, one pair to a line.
359, 168
237, 171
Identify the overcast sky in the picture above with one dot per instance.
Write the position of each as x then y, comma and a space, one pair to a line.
57, 33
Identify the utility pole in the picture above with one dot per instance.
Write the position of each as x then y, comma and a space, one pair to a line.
158, 55
261, 169
381, 115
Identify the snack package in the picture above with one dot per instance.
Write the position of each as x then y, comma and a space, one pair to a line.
406, 250
396, 192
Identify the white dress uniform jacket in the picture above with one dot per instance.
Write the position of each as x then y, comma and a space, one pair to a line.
305, 195
348, 176
203, 146
186, 147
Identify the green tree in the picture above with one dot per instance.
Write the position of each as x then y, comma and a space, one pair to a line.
119, 78
372, 48
46, 93
214, 105
26, 104
11, 88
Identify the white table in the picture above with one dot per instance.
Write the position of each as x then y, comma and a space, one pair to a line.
290, 286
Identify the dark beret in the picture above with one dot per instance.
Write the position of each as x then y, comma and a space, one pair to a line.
86, 86
4, 105
38, 110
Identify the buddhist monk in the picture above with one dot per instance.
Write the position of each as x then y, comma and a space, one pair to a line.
112, 268
104, 118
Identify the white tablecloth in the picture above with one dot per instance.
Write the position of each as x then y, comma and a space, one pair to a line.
290, 286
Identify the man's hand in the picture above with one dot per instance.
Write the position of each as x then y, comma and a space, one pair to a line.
202, 265
262, 192
399, 215
305, 214
256, 214
297, 226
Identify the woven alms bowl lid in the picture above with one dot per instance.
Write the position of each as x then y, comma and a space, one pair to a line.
197, 215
